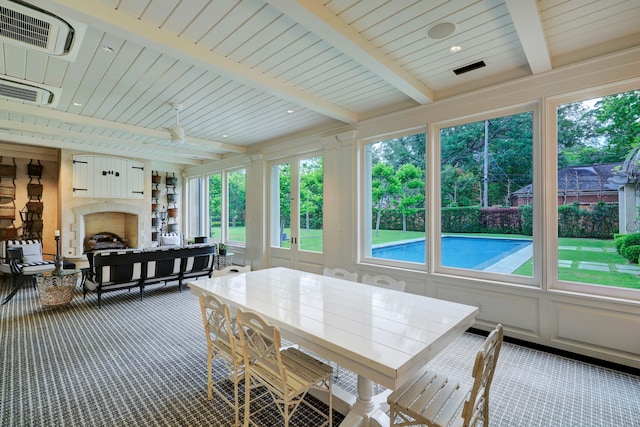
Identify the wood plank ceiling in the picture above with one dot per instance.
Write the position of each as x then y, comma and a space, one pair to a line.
253, 71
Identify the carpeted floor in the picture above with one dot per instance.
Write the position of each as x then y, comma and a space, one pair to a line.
144, 363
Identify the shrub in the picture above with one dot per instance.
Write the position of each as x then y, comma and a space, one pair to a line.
632, 253
618, 241
630, 240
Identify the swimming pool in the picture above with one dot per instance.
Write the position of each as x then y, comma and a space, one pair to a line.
474, 253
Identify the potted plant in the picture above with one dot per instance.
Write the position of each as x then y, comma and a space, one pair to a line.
222, 249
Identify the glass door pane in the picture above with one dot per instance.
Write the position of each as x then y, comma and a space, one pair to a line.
279, 206
310, 204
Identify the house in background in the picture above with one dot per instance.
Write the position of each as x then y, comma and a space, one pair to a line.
584, 185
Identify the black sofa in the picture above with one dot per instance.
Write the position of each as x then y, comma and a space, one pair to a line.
135, 268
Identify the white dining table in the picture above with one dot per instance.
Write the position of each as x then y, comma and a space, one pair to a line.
382, 335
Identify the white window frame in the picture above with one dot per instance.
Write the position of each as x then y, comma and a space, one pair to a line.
551, 160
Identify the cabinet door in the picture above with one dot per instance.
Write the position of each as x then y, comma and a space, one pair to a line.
135, 179
108, 177
82, 179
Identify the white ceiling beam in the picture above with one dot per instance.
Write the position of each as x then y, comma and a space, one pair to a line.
62, 116
110, 20
317, 18
124, 144
42, 142
528, 23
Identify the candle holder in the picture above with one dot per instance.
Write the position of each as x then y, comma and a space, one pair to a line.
57, 260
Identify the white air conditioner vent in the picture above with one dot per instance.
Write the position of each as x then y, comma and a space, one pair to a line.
20, 91
32, 28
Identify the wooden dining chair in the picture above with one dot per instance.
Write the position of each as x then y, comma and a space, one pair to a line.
384, 281
434, 400
287, 375
340, 273
222, 345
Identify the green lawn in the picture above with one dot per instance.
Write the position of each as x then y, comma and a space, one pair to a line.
571, 250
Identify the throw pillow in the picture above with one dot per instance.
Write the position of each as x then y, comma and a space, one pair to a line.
31, 252
170, 240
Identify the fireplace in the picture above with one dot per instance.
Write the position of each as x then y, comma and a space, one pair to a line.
123, 221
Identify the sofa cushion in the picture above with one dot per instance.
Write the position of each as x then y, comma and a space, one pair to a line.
31, 253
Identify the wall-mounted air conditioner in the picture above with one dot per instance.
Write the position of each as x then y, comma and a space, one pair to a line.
29, 27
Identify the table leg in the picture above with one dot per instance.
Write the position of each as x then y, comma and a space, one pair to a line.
366, 411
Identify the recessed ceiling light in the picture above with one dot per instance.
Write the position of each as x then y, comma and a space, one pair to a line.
224, 136
441, 30
454, 49
77, 104
289, 111
107, 49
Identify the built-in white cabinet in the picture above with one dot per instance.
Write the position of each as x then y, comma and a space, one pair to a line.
109, 177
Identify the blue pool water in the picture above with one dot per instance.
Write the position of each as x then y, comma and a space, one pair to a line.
474, 253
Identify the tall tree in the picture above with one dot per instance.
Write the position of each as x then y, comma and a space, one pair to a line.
619, 117
384, 188
411, 195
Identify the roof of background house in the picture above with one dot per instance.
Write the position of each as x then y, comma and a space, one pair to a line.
583, 178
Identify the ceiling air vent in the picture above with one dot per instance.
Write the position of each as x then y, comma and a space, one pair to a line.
25, 92
32, 28
470, 67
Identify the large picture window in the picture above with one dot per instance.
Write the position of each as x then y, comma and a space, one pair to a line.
486, 195
598, 191
395, 200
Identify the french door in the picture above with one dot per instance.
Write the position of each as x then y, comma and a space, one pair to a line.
296, 213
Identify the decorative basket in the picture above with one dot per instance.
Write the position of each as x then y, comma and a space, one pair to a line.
35, 207
8, 212
34, 170
34, 190
172, 228
8, 233
8, 192
8, 171
57, 289
172, 180
172, 198
173, 212
156, 179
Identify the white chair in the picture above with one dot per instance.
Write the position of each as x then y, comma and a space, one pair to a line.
232, 269
434, 400
286, 374
222, 345
340, 273
383, 281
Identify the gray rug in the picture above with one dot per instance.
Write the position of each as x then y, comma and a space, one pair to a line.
144, 363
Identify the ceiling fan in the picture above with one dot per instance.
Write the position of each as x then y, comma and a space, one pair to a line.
176, 132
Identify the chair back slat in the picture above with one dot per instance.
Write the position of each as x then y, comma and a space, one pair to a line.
477, 405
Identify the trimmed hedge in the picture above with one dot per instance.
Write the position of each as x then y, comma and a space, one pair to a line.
601, 221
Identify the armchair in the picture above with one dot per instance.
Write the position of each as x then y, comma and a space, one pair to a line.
22, 259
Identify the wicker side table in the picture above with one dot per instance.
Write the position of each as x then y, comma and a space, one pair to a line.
222, 261
56, 288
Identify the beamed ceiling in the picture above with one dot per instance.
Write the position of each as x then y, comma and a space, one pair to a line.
254, 71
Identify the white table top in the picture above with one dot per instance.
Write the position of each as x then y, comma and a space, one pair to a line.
381, 334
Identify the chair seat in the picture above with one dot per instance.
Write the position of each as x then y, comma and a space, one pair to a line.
31, 268
433, 399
